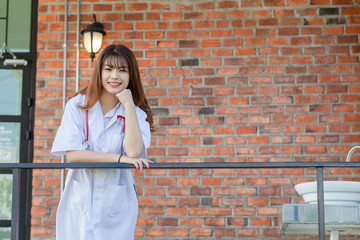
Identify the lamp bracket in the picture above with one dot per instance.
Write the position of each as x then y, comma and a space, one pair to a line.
94, 27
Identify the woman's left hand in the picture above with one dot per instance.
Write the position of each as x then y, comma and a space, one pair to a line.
137, 162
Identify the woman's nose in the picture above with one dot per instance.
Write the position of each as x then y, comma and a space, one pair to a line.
114, 74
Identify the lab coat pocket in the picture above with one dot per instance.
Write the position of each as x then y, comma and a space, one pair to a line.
78, 196
116, 201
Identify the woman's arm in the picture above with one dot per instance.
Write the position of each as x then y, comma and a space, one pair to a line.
91, 157
85, 156
133, 138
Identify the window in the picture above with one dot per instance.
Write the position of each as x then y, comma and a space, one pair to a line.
17, 91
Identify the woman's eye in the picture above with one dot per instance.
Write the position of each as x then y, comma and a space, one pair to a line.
122, 70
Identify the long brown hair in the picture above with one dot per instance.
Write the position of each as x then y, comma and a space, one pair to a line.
116, 55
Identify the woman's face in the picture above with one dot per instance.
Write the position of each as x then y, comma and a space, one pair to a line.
114, 79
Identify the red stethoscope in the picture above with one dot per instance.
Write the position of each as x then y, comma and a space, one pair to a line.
86, 143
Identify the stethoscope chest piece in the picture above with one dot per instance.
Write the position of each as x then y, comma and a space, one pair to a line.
86, 145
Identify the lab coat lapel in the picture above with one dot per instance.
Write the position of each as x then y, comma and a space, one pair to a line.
119, 112
96, 121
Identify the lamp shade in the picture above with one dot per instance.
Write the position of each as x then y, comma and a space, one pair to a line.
93, 41
93, 36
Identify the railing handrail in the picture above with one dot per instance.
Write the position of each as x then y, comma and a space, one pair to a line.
16, 168
185, 165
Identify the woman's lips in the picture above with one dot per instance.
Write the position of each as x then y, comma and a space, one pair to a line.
114, 84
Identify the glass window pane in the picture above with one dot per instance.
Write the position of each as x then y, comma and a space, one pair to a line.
5, 233
9, 142
5, 197
19, 25
10, 91
2, 32
2, 8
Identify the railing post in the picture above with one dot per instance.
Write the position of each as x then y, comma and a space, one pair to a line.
320, 201
15, 204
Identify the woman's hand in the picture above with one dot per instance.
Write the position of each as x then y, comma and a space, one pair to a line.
125, 97
137, 162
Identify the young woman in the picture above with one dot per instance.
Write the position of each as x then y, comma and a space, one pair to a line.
108, 121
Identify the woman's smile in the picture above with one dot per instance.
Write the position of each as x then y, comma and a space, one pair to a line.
114, 84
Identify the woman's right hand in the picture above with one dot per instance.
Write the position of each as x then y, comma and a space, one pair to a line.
125, 98
137, 162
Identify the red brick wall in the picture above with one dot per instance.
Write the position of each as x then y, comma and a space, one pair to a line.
243, 81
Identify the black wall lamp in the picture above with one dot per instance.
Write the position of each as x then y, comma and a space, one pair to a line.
93, 36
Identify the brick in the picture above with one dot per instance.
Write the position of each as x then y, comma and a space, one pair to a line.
156, 232
194, 15
307, 12
39, 211
102, 7
183, 7
288, 31
123, 26
261, 100
320, 2
351, 11
201, 232
200, 151
249, 23
175, 232
145, 25
204, 24
158, 6
52, 182
315, 128
297, 3
42, 192
274, 3
304, 139
245, 51
167, 222
138, 7
255, 41
176, 34
200, 53
268, 22
171, 16
278, 41
248, 232
290, 22
182, 25
178, 192
224, 232
41, 231
200, 191
268, 211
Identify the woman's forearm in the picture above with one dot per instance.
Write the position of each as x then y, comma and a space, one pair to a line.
78, 156
85, 156
133, 138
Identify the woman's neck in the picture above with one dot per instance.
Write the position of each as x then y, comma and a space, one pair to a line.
107, 101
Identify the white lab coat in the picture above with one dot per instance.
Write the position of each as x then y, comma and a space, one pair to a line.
97, 204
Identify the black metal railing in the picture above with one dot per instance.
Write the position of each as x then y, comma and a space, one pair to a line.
16, 169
